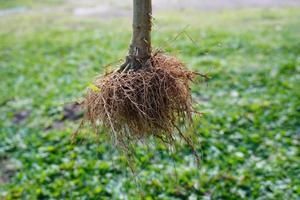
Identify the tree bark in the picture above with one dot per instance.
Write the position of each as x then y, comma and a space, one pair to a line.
140, 47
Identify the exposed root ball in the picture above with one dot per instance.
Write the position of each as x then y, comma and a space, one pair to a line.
154, 100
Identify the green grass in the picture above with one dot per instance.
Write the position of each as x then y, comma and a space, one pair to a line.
7, 4
248, 136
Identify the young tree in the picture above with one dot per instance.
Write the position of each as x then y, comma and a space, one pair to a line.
148, 96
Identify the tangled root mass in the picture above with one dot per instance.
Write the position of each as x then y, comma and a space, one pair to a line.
154, 100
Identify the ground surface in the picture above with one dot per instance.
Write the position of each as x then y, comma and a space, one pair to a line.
107, 9
248, 137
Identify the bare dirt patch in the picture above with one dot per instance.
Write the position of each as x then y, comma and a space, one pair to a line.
21, 116
107, 9
114, 8
7, 170
70, 112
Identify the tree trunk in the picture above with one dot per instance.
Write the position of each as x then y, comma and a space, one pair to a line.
140, 47
141, 39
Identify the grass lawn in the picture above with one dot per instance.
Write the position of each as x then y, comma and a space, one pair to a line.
248, 137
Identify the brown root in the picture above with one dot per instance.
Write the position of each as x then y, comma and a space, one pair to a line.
151, 101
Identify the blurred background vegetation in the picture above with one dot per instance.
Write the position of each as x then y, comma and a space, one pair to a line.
248, 137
